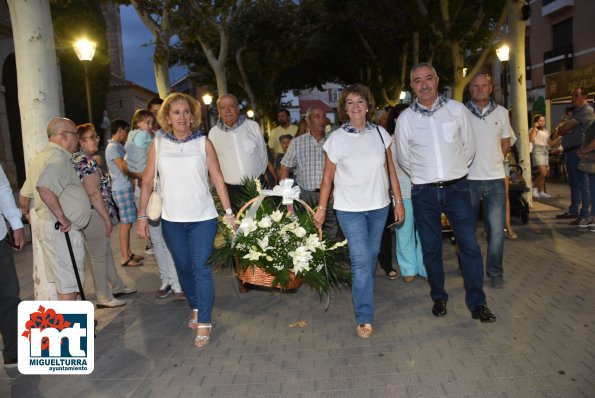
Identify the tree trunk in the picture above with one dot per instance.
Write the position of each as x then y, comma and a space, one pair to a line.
458, 62
161, 67
246, 82
518, 89
39, 97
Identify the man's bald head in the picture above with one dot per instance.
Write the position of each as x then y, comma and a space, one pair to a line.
62, 131
59, 124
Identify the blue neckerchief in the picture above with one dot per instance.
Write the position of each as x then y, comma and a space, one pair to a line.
417, 107
350, 129
223, 127
477, 112
195, 134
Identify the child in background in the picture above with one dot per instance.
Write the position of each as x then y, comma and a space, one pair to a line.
138, 143
284, 140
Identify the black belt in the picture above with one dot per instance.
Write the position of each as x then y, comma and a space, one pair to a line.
572, 148
311, 190
442, 184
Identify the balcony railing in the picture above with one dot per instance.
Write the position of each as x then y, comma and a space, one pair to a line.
557, 60
551, 6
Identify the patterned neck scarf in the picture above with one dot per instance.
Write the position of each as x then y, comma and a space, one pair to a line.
195, 134
440, 102
350, 129
477, 112
222, 126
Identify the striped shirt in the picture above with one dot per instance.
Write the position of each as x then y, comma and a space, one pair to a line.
305, 157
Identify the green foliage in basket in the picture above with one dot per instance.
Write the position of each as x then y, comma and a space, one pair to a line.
281, 242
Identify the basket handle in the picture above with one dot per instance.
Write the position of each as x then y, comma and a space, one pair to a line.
308, 208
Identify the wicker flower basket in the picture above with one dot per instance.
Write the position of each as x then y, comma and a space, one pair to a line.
255, 275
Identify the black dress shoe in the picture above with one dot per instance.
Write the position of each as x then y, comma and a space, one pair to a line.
483, 313
439, 308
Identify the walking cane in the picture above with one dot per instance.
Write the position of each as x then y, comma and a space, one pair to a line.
76, 271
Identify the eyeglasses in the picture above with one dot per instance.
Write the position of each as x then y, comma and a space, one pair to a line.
91, 137
70, 132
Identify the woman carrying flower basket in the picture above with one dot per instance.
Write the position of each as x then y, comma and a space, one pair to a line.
185, 161
356, 163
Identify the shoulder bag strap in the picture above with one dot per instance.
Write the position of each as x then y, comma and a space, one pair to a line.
157, 151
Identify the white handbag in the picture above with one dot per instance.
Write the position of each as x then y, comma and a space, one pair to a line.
154, 205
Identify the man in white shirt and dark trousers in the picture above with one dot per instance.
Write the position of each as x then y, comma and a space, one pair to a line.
435, 146
240, 147
491, 126
9, 282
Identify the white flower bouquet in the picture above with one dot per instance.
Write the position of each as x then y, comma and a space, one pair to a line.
276, 240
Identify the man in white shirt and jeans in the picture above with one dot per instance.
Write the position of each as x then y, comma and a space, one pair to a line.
435, 146
491, 126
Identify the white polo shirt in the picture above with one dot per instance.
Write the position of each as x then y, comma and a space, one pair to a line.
489, 132
361, 181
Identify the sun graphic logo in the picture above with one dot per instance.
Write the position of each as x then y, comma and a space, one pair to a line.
56, 337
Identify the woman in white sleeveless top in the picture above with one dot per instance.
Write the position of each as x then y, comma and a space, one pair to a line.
185, 161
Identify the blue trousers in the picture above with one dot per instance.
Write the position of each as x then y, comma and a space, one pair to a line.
493, 194
454, 201
191, 244
363, 230
409, 253
579, 186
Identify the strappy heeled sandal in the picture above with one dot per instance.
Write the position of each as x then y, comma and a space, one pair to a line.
193, 322
202, 341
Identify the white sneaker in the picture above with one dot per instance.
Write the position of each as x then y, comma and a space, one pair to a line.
536, 194
587, 222
544, 195
113, 303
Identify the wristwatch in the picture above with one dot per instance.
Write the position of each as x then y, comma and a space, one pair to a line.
228, 212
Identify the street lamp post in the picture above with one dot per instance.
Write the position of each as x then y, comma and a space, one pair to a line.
207, 99
503, 53
85, 50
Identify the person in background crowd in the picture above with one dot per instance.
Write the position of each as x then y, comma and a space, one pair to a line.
435, 145
305, 159
108, 284
541, 140
186, 163
572, 132
153, 106
358, 159
588, 146
122, 190
285, 140
59, 198
508, 231
9, 281
408, 243
283, 128
386, 254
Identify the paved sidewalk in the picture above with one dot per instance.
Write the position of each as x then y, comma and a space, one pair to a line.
543, 344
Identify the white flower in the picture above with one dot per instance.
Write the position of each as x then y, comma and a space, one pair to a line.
338, 245
248, 226
312, 242
277, 215
301, 260
264, 243
300, 232
265, 222
258, 186
288, 227
253, 255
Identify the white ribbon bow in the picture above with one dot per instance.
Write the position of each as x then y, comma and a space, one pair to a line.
285, 189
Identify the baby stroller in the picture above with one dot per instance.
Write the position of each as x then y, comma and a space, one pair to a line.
517, 188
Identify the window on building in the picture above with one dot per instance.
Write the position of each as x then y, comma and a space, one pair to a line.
562, 34
334, 94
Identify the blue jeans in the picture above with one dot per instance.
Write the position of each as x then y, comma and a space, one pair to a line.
579, 186
493, 193
455, 202
191, 244
363, 230
592, 192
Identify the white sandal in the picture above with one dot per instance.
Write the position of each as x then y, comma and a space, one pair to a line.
202, 341
193, 322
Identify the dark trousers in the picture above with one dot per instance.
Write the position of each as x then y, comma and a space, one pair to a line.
9, 301
386, 255
454, 201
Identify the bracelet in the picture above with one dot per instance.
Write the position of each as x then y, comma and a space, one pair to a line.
228, 211
322, 208
399, 201
142, 217
229, 215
